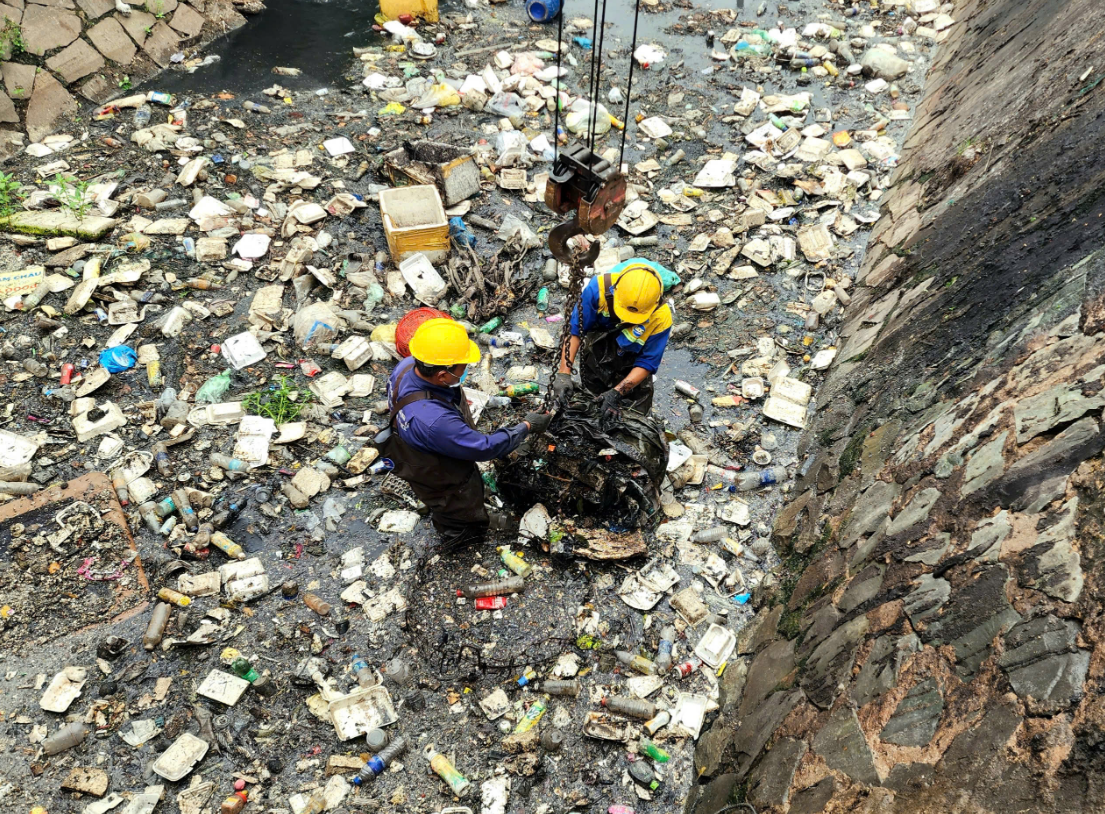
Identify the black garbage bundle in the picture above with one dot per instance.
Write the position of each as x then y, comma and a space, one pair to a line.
603, 477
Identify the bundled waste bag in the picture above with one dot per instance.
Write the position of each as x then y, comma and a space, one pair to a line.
578, 470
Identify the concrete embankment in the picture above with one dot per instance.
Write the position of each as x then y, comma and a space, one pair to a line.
935, 642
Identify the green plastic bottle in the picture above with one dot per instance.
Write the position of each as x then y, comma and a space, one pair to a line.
515, 390
491, 325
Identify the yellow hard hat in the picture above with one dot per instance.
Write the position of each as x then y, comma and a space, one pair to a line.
637, 294
443, 342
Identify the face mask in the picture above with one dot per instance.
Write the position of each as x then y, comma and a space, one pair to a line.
460, 381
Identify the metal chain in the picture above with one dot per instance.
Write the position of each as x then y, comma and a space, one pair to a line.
575, 291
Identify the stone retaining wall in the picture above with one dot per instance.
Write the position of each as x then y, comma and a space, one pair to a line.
53, 52
936, 641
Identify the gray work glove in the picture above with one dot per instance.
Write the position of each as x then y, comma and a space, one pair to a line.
562, 388
538, 422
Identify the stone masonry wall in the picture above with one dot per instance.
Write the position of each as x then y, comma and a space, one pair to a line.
936, 642
54, 51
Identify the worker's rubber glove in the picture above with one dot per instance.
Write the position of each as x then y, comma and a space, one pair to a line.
611, 407
538, 422
562, 388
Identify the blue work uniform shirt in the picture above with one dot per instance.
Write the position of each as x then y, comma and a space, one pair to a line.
647, 341
440, 429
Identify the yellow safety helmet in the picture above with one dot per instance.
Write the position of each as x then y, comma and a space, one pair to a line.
443, 342
637, 294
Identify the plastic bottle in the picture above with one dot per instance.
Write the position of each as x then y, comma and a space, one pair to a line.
362, 672
663, 650
398, 671
534, 714
228, 463
161, 458
647, 747
155, 630
711, 535
149, 516
67, 737
174, 597
444, 769
491, 325
552, 740
142, 116
35, 297
187, 513
515, 563
376, 740
242, 668
644, 774
510, 585
35, 367
227, 546
747, 481
515, 390
634, 662
203, 535
543, 299
234, 803
317, 604
655, 724
560, 688
495, 341
119, 483
630, 707
376, 764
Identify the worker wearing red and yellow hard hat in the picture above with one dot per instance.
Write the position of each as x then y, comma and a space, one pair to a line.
620, 331
432, 442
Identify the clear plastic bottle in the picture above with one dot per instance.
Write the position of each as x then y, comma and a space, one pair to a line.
510, 585
376, 764
747, 481
638, 663
155, 630
67, 737
663, 650
630, 707
711, 535
228, 463
187, 513
362, 672
561, 688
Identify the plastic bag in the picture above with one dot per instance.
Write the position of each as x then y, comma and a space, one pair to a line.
514, 230
526, 63
214, 389
506, 104
578, 121
118, 359
440, 95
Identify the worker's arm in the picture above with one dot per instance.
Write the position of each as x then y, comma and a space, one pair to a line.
582, 320
634, 378
444, 431
568, 357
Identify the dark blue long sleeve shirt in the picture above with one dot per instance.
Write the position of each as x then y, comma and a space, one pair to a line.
431, 426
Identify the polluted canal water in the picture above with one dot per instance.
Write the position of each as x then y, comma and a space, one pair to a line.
225, 270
